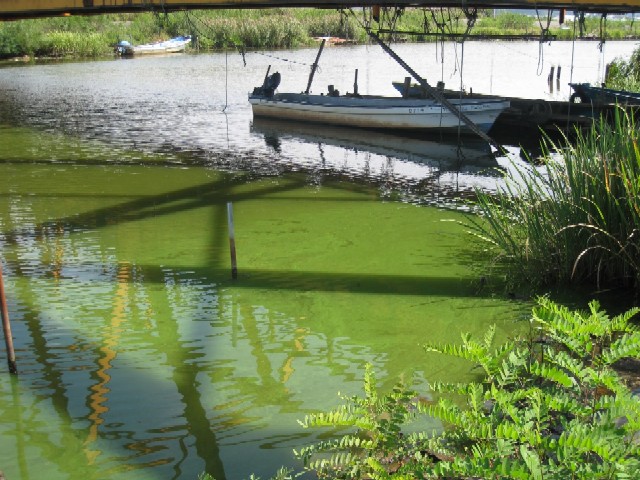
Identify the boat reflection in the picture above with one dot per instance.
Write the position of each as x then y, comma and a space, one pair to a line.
412, 153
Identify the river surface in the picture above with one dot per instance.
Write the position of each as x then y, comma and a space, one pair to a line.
139, 356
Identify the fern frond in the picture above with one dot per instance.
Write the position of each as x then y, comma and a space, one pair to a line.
553, 374
340, 417
446, 411
626, 346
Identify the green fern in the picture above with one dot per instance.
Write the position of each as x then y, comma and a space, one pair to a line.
547, 408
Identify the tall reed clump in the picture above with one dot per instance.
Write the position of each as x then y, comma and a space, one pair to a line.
61, 44
576, 219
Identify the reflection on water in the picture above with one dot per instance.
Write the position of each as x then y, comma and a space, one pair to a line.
139, 357
425, 169
139, 354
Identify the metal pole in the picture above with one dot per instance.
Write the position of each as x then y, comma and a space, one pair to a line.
435, 93
355, 84
314, 67
232, 241
6, 326
266, 77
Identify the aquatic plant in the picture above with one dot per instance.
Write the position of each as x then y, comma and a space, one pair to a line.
282, 474
576, 218
549, 406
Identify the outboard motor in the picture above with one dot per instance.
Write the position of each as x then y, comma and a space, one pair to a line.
269, 86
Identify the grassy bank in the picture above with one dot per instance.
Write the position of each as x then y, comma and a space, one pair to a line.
272, 28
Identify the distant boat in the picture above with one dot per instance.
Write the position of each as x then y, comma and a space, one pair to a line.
173, 45
585, 93
367, 111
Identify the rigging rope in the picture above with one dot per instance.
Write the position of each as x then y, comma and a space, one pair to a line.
544, 36
573, 50
603, 34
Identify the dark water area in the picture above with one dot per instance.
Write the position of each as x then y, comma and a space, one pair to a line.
139, 356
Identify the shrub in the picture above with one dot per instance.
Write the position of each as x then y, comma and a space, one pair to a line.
550, 406
625, 74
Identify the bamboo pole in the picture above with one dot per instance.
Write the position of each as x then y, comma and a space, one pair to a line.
6, 326
232, 241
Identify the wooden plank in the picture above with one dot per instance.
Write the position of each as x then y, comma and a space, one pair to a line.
12, 9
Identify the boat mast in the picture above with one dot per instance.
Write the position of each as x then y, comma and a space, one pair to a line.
434, 93
314, 67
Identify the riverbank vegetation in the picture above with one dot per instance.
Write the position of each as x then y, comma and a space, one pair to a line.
95, 36
574, 220
624, 74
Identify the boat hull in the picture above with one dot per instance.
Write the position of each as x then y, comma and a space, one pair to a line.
378, 112
585, 93
174, 45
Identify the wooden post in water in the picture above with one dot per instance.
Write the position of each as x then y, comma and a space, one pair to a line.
6, 326
232, 241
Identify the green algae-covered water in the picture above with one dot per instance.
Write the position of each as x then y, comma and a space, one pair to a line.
139, 356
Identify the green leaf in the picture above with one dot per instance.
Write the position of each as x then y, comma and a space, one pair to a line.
532, 460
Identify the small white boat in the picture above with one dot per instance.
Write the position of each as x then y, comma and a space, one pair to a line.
173, 45
365, 111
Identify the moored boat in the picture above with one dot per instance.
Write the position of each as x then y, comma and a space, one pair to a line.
173, 45
368, 111
586, 93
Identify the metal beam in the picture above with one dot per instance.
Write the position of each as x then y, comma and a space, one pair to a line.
15, 9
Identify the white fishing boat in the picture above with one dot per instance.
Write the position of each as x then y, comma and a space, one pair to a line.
173, 45
376, 112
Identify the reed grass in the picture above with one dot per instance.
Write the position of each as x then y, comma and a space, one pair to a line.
576, 219
63, 44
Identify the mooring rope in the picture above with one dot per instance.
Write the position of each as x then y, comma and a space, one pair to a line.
226, 81
256, 52
601, 44
573, 50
